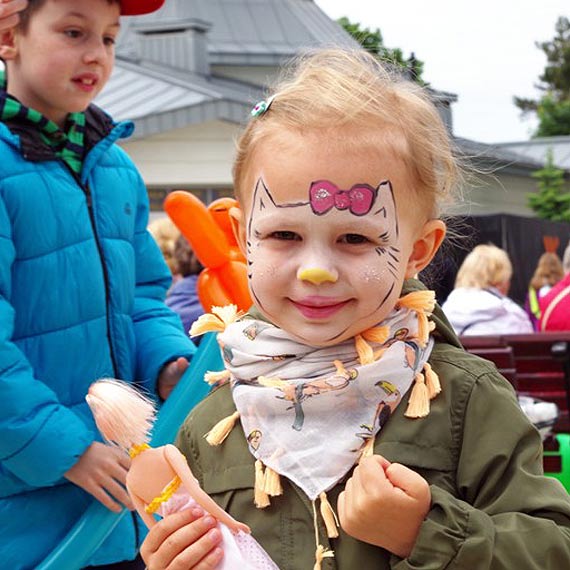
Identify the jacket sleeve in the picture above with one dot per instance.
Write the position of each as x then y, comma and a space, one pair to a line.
40, 439
160, 337
508, 514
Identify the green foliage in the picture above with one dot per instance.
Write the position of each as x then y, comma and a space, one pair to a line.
552, 201
554, 117
553, 108
372, 41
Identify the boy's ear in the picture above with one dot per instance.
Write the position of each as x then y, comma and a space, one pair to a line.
238, 227
425, 247
8, 49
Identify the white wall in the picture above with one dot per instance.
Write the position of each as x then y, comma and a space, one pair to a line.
194, 157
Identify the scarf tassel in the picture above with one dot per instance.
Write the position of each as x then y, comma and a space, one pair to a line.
368, 449
418, 404
320, 555
272, 483
217, 377
364, 350
329, 516
260, 498
222, 429
432, 381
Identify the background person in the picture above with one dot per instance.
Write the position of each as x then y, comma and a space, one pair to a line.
182, 297
548, 272
555, 305
479, 304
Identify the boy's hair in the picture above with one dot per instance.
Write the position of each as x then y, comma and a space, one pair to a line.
333, 89
32, 7
548, 271
486, 266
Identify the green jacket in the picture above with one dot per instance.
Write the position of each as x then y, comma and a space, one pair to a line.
492, 507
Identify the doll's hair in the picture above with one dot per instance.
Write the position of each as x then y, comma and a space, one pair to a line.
485, 266
123, 415
548, 271
351, 98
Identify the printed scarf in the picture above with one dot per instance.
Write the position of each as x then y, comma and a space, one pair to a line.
308, 412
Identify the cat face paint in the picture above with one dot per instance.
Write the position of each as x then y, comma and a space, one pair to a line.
327, 256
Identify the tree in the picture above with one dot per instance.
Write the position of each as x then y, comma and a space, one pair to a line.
553, 107
552, 201
372, 41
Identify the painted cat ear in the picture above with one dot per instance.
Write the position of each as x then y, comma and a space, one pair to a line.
386, 203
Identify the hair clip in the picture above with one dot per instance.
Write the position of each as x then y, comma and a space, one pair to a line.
262, 107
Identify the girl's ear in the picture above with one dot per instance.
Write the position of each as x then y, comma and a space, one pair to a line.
8, 49
238, 227
425, 247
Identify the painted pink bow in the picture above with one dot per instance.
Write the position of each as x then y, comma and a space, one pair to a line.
325, 195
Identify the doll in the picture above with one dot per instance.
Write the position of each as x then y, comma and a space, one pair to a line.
159, 480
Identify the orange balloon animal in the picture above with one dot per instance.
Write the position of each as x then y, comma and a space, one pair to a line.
209, 231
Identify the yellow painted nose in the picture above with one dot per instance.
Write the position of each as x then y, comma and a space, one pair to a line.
316, 275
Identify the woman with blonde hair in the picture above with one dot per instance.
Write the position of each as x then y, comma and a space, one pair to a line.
479, 303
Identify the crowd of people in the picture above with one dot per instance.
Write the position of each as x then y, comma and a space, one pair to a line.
349, 428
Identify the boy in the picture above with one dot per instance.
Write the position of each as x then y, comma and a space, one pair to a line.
82, 283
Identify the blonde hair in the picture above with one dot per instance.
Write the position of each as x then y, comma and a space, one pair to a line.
326, 90
486, 266
123, 415
165, 233
548, 271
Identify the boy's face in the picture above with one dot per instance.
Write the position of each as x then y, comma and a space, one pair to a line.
64, 58
330, 234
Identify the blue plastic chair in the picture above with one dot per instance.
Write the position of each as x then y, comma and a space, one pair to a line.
97, 522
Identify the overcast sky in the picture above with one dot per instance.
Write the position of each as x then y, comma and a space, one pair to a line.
482, 51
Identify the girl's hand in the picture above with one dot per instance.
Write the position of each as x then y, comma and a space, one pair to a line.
9, 13
170, 375
186, 540
102, 472
384, 504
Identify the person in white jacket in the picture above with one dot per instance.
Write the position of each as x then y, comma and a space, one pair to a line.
479, 303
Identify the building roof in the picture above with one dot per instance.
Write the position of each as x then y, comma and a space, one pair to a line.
250, 32
536, 149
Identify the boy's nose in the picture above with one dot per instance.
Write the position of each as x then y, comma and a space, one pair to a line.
317, 275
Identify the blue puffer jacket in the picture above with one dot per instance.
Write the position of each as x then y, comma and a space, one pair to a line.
82, 287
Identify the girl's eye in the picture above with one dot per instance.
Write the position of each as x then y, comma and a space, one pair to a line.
285, 236
353, 239
109, 41
73, 33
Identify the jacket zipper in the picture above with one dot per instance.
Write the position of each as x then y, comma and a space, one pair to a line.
89, 201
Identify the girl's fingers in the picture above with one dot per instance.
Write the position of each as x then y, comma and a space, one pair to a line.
181, 541
205, 554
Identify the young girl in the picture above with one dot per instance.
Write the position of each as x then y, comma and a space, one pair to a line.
363, 435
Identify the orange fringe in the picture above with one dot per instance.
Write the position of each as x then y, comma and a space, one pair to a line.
222, 429
329, 516
260, 497
418, 404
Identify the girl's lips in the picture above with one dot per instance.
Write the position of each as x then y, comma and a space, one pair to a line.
318, 309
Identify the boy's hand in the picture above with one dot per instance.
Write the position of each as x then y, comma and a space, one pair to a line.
185, 540
170, 375
102, 472
384, 504
9, 13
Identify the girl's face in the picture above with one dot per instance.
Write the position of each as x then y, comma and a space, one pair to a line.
330, 235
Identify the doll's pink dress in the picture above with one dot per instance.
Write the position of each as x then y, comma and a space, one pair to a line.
241, 550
